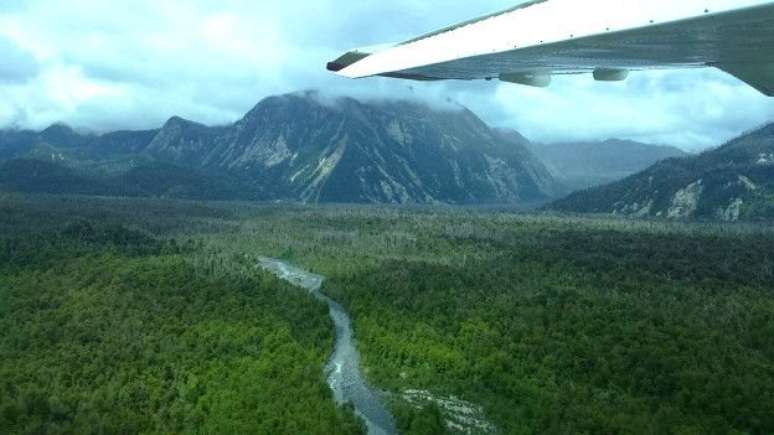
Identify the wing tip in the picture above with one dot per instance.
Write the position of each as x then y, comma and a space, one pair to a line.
334, 67
758, 76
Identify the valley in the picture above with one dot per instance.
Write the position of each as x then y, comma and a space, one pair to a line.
581, 165
343, 369
534, 322
530, 217
638, 306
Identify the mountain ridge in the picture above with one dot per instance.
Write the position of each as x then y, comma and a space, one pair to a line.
732, 182
299, 147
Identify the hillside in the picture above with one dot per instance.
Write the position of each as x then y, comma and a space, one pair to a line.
36, 176
733, 182
301, 147
159, 180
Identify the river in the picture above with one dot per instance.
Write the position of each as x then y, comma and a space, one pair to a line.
343, 369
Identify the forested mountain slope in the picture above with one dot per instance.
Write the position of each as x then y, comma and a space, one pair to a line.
733, 182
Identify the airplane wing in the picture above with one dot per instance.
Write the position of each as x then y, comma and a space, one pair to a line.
531, 42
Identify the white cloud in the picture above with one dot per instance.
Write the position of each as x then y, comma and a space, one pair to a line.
17, 65
691, 109
133, 64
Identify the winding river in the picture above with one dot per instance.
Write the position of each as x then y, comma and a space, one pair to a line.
343, 369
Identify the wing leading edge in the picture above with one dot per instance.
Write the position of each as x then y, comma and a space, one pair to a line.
531, 42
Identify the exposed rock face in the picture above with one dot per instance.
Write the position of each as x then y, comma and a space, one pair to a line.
765, 159
301, 147
733, 182
686, 201
732, 212
350, 151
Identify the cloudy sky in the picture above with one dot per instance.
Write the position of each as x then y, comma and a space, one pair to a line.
103, 65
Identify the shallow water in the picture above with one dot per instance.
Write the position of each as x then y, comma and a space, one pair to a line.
343, 369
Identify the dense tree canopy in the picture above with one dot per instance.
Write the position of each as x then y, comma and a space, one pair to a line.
130, 316
104, 329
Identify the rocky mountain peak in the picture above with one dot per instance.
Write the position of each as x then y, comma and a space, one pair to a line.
322, 148
181, 123
183, 142
58, 128
62, 135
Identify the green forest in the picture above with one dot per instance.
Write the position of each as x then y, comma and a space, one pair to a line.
149, 316
582, 332
108, 329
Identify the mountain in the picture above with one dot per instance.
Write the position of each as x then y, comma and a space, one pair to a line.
37, 176
64, 136
155, 180
184, 142
352, 151
170, 181
15, 142
581, 165
121, 143
733, 182
60, 143
302, 147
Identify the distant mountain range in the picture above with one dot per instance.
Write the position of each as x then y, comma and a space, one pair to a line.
300, 147
293, 147
733, 182
580, 165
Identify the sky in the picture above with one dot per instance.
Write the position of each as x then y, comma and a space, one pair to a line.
107, 65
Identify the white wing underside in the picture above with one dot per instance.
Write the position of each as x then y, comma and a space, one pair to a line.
547, 37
